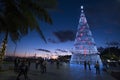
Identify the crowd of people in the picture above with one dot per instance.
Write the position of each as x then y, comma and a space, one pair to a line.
41, 63
22, 66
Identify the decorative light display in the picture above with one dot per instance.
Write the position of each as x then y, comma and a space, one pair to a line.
84, 45
84, 36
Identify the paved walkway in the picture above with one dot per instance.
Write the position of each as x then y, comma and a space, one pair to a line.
66, 72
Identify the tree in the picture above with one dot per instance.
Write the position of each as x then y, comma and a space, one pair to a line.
100, 49
112, 55
19, 17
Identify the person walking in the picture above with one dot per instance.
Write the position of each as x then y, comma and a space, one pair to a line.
85, 65
16, 65
89, 65
41, 64
36, 64
97, 66
44, 66
57, 64
23, 70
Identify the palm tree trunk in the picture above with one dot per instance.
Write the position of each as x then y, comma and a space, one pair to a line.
3, 47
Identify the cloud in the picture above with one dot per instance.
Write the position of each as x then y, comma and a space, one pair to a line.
43, 50
61, 50
64, 36
52, 40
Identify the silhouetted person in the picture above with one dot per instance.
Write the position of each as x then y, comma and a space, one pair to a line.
57, 64
89, 65
15, 64
36, 64
23, 70
41, 65
44, 66
29, 63
97, 66
85, 65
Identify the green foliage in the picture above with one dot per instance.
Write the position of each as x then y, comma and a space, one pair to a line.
19, 17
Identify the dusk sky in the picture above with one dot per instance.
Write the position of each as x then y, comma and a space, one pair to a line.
103, 17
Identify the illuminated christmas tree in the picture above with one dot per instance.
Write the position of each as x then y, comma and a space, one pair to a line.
84, 47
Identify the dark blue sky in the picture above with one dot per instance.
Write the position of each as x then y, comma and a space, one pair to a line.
103, 17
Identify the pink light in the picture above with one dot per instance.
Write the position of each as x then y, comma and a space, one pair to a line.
81, 34
78, 38
85, 51
89, 43
82, 28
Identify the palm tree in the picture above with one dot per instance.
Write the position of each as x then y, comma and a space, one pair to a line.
19, 17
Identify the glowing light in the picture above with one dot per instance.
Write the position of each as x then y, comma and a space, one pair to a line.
108, 60
81, 34
85, 51
78, 39
85, 48
54, 57
81, 7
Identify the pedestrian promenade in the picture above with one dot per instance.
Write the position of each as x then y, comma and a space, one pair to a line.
65, 72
